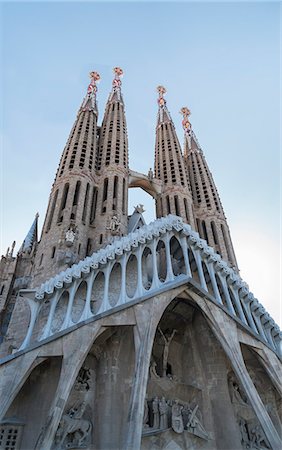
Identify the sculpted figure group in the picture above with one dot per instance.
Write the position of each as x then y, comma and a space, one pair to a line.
162, 414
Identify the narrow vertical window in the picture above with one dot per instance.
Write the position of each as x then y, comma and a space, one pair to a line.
41, 259
123, 197
76, 193
75, 200
101, 239
93, 205
115, 191
105, 195
186, 210
168, 204
176, 205
51, 214
214, 233
226, 243
205, 231
63, 203
53, 252
2, 289
85, 203
88, 247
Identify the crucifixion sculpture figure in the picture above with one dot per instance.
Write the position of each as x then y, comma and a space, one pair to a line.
167, 340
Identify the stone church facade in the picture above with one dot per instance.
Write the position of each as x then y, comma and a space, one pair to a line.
116, 334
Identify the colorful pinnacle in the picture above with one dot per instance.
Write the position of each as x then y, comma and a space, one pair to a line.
161, 90
185, 122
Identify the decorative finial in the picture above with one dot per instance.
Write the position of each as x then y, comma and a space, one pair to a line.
118, 74
91, 90
185, 122
161, 90
92, 87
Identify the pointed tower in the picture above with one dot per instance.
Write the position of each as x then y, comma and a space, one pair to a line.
210, 218
15, 274
31, 238
68, 227
112, 167
176, 197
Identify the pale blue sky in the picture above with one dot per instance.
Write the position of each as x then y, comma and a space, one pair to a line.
220, 59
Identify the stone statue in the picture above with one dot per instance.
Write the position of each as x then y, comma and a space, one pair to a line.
153, 370
167, 341
73, 430
70, 236
163, 409
156, 413
235, 393
176, 417
82, 382
258, 439
114, 225
194, 425
146, 414
150, 174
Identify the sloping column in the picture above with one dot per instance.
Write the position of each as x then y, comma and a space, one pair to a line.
147, 316
225, 330
13, 375
74, 355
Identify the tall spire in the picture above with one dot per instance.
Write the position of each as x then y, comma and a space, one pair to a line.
89, 101
116, 85
169, 167
163, 113
68, 226
31, 237
112, 167
210, 218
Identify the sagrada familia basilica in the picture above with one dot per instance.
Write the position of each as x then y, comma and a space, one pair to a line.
122, 335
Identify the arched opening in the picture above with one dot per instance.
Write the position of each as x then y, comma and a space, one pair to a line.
193, 266
79, 302
41, 321
187, 380
97, 293
214, 233
147, 268
27, 414
137, 196
114, 284
205, 233
208, 279
257, 369
63, 203
177, 257
105, 195
60, 312
161, 261
131, 276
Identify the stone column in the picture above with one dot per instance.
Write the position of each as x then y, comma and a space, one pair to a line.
148, 316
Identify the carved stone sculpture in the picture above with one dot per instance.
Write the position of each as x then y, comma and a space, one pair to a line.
114, 225
73, 429
167, 340
194, 424
163, 409
83, 379
176, 417
156, 413
146, 414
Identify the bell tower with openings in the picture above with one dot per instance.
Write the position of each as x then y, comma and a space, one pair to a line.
176, 197
112, 169
67, 232
210, 219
